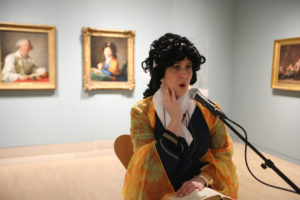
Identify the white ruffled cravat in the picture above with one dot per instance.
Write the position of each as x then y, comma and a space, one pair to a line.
187, 108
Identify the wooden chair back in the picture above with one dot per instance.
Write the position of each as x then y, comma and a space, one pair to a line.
123, 149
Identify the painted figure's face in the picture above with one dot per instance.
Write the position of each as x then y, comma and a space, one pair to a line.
178, 76
24, 48
108, 52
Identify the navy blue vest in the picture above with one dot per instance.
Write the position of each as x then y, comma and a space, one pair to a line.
185, 165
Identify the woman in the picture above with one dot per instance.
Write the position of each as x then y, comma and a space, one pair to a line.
109, 69
179, 146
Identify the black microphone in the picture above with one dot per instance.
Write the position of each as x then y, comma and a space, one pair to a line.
195, 94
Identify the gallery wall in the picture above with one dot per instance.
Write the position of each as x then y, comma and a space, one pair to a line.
70, 114
236, 36
271, 117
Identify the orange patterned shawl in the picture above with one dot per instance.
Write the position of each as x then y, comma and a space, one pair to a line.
146, 178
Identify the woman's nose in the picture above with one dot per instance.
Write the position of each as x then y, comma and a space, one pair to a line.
183, 73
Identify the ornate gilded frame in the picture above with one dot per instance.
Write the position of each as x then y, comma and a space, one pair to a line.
30, 30
286, 64
104, 35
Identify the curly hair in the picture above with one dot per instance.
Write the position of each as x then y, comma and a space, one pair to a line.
20, 42
165, 52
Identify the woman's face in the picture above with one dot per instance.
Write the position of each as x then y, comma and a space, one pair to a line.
108, 52
178, 76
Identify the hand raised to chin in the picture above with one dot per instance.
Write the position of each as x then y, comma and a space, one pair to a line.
171, 105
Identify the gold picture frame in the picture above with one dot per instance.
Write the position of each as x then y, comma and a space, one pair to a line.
36, 68
113, 71
286, 64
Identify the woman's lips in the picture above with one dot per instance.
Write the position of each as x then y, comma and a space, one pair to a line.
182, 85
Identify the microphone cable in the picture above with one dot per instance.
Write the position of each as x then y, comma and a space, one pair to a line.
195, 94
246, 161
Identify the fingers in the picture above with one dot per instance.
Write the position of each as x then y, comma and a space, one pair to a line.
166, 88
189, 190
185, 190
173, 97
167, 95
188, 187
180, 192
168, 92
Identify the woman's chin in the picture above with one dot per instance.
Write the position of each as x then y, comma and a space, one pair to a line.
180, 93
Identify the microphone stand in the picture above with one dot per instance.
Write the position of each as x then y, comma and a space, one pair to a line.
267, 162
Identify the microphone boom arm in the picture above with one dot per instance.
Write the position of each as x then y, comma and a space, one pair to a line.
268, 162
195, 94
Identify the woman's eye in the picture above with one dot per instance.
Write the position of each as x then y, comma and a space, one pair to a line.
176, 67
188, 67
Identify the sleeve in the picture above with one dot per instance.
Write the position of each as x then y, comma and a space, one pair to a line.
114, 67
145, 177
9, 73
221, 170
105, 71
36, 69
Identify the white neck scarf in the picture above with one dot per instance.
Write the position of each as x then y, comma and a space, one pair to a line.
187, 108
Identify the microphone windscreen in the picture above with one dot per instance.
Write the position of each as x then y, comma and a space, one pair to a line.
193, 92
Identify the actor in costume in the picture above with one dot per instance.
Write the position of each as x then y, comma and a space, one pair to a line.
179, 146
19, 65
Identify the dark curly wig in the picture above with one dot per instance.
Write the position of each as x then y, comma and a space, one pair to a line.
165, 52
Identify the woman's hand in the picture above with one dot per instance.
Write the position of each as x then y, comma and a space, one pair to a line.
189, 186
44, 75
100, 66
171, 105
96, 70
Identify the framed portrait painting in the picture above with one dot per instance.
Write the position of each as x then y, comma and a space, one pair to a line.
108, 59
28, 57
286, 64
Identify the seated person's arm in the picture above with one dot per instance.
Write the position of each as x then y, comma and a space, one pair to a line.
9, 72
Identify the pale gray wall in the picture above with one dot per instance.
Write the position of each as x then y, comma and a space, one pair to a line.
70, 114
271, 117
235, 36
